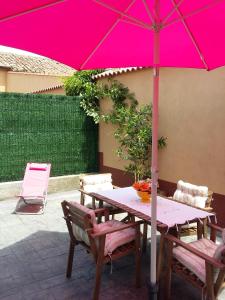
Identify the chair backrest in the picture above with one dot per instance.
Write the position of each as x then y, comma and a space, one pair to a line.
78, 219
96, 183
35, 182
78, 214
191, 194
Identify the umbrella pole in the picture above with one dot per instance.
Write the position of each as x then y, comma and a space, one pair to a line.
154, 168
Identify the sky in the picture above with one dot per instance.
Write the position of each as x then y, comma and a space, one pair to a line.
17, 51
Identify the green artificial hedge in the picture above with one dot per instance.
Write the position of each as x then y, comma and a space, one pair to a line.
45, 128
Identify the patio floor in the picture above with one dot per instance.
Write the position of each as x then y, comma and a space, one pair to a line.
33, 254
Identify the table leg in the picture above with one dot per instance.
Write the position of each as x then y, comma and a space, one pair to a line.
100, 216
145, 236
200, 229
205, 233
93, 203
160, 256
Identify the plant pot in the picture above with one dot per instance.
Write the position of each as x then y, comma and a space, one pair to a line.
144, 196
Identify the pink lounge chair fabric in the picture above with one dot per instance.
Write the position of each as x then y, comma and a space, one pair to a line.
113, 240
34, 189
35, 182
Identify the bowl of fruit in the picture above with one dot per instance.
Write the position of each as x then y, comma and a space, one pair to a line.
143, 189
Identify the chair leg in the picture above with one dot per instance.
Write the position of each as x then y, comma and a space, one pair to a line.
210, 295
168, 271
99, 268
70, 260
145, 237
97, 280
219, 282
138, 258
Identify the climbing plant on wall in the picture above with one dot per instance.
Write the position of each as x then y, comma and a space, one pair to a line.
133, 124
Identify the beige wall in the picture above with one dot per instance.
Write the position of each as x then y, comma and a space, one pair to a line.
28, 82
3, 79
192, 117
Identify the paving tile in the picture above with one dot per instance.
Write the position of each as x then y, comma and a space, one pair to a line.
14, 296
41, 295
4, 251
33, 258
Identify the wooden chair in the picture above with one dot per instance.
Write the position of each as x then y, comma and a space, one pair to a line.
107, 241
201, 263
96, 183
195, 196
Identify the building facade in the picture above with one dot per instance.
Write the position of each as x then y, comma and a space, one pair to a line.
191, 116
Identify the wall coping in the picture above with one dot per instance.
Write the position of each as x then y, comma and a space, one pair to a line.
56, 184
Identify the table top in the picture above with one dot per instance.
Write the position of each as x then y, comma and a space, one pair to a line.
169, 212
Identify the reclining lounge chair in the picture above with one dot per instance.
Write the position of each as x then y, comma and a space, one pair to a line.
32, 198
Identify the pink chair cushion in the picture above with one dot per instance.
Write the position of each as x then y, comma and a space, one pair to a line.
194, 263
115, 239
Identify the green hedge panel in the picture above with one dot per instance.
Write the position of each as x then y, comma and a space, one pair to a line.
45, 128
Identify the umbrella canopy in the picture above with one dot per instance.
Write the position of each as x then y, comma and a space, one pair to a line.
89, 34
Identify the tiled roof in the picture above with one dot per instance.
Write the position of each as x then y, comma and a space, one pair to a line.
116, 71
33, 64
49, 88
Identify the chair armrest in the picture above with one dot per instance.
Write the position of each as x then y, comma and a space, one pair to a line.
83, 192
102, 211
198, 253
215, 227
122, 227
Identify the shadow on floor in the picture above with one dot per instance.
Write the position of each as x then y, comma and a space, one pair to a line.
34, 268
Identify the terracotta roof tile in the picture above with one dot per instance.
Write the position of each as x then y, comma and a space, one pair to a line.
50, 88
116, 71
33, 64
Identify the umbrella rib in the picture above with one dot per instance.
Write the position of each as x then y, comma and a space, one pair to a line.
30, 10
192, 13
171, 12
106, 35
136, 24
192, 37
148, 11
124, 14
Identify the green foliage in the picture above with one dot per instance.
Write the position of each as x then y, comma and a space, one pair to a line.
45, 128
133, 125
119, 94
81, 84
134, 134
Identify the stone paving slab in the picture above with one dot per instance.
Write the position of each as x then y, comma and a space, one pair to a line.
33, 255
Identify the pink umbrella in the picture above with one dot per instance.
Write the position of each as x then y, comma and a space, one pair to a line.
88, 34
